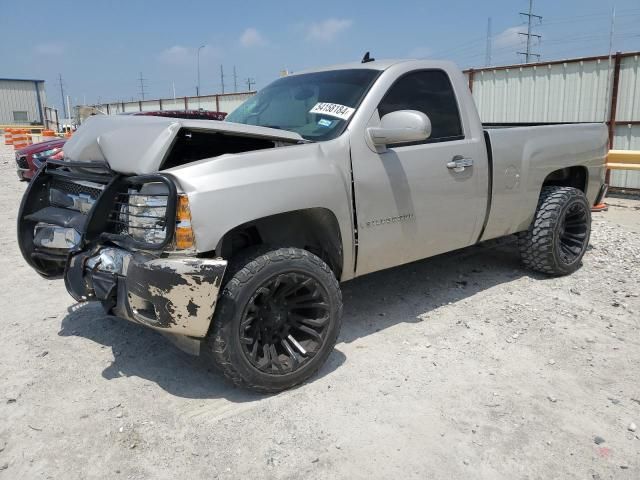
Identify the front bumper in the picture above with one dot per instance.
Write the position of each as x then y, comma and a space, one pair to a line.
174, 294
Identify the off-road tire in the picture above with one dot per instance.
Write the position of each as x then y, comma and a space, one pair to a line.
245, 274
540, 246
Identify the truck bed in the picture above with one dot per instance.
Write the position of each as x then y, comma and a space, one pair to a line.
522, 157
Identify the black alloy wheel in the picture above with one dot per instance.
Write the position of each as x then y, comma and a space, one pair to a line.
574, 233
277, 319
285, 323
558, 237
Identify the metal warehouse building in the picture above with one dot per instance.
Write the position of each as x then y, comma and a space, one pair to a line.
22, 102
593, 89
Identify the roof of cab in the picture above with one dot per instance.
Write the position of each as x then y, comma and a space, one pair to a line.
374, 65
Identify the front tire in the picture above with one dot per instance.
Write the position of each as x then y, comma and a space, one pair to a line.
559, 235
277, 320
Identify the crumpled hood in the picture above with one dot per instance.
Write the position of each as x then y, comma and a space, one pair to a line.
139, 145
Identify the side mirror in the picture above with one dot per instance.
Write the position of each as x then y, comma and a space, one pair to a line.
403, 126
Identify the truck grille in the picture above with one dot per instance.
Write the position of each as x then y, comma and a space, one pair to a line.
75, 188
21, 161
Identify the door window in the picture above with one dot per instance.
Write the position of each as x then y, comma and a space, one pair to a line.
430, 92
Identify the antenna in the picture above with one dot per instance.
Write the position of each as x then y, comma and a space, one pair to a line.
530, 16
367, 58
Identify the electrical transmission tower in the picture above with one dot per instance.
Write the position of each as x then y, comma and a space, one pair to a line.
142, 85
250, 81
235, 80
530, 17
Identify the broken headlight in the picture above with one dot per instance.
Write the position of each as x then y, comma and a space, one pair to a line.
145, 214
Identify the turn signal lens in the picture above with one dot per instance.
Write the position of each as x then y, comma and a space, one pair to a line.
184, 233
183, 213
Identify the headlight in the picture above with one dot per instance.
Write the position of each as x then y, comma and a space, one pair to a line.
146, 213
46, 153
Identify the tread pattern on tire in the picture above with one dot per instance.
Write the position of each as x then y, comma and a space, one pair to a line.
241, 269
537, 243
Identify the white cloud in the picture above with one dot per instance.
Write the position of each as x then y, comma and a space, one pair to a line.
327, 30
252, 38
509, 38
49, 49
179, 55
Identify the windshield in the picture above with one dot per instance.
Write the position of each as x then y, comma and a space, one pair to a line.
318, 106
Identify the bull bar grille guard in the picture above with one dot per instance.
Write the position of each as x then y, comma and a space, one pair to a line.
94, 227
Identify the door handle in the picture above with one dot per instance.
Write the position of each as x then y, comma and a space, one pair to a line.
459, 163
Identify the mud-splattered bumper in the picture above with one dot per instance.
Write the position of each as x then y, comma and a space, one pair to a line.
173, 294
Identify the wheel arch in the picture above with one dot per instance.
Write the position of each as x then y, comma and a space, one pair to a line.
313, 229
576, 176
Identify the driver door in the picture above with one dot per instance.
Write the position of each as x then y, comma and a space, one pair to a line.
410, 203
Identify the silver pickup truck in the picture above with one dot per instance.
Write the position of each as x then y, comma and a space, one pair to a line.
233, 237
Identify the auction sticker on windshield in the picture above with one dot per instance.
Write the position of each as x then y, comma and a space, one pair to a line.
333, 110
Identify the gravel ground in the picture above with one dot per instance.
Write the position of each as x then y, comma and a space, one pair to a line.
462, 366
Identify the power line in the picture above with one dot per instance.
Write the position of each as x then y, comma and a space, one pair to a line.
142, 85
530, 16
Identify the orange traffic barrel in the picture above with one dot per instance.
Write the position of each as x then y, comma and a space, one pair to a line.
601, 207
20, 139
68, 133
8, 136
48, 133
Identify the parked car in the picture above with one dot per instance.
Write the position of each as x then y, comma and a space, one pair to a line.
29, 159
192, 114
233, 236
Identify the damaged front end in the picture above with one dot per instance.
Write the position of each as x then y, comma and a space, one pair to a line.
122, 240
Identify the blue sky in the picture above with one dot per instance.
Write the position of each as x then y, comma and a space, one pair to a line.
100, 48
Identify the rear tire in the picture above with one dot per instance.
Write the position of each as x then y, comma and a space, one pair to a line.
559, 234
277, 320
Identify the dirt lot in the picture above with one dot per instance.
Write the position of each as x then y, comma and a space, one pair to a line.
463, 366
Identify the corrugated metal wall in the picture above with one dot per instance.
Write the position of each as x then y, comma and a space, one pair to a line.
21, 96
226, 102
578, 90
627, 136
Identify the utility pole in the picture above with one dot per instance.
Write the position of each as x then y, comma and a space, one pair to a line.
64, 106
487, 58
222, 78
142, 85
235, 80
250, 81
612, 30
69, 109
530, 16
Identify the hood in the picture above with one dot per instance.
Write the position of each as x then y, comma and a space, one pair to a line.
139, 144
42, 146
